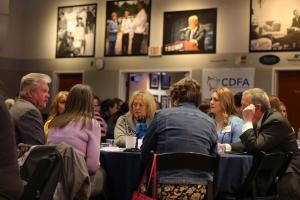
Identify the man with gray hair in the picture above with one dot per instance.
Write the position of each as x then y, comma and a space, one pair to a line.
267, 130
264, 130
28, 121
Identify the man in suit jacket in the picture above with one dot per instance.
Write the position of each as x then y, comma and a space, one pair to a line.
267, 130
296, 19
293, 32
26, 116
194, 33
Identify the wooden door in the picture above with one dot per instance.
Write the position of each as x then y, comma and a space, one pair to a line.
68, 80
289, 93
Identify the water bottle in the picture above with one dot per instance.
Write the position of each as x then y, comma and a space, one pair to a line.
140, 129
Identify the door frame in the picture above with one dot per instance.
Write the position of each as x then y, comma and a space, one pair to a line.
275, 71
123, 77
55, 81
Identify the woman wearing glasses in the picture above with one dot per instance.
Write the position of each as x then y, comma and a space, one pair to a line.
141, 105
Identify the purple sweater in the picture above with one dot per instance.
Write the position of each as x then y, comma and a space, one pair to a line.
84, 141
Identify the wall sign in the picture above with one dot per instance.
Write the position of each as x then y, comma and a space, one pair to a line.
235, 79
269, 59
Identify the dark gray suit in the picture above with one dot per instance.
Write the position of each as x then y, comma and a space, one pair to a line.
10, 181
199, 35
28, 122
275, 135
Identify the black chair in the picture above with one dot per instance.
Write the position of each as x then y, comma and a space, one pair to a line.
42, 170
287, 161
4, 196
261, 182
191, 161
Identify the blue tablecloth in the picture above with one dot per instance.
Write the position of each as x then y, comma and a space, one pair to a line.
124, 169
232, 171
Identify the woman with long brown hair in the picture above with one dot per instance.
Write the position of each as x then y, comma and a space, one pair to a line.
229, 125
78, 128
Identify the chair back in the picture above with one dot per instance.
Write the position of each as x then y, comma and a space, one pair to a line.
190, 161
263, 176
42, 170
4, 196
288, 158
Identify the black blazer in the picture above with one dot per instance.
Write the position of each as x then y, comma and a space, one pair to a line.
274, 135
296, 22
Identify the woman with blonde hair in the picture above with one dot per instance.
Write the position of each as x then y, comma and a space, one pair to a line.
141, 105
57, 108
229, 125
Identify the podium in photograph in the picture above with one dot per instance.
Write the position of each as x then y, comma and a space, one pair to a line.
181, 45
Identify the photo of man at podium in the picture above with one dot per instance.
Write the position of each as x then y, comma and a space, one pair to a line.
193, 36
190, 31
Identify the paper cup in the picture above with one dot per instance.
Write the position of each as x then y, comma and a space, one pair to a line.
140, 141
130, 142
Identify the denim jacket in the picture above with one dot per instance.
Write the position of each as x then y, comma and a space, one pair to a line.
231, 133
183, 128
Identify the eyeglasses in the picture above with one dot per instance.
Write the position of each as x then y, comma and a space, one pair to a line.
138, 105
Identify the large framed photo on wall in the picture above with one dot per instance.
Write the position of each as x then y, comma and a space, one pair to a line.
127, 27
76, 28
192, 31
274, 25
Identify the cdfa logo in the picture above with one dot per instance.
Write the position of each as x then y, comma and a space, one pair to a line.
239, 82
212, 82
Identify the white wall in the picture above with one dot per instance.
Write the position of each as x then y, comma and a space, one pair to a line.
40, 21
12, 43
32, 38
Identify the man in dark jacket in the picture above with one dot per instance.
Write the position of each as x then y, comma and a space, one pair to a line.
269, 131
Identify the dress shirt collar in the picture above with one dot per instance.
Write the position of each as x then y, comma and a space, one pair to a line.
259, 122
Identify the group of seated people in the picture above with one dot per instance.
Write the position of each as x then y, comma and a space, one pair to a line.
76, 119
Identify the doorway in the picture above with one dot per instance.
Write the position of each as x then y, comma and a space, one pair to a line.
132, 80
64, 81
287, 88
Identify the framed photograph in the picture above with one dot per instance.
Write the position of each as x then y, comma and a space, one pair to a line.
127, 27
164, 100
165, 81
276, 29
192, 31
156, 97
76, 28
153, 80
